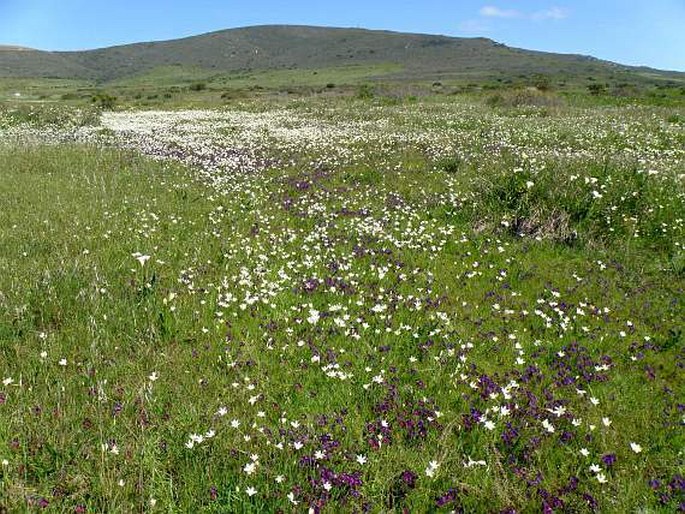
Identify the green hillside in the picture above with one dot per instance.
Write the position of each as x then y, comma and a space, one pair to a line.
301, 47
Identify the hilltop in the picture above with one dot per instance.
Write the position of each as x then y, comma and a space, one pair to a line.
304, 47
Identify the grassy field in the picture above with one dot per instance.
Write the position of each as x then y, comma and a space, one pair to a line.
442, 304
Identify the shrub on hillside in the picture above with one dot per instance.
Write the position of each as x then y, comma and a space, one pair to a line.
529, 97
104, 101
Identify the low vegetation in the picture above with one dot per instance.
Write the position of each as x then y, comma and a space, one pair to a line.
354, 303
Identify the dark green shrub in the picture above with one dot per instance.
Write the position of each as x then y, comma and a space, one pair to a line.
542, 82
365, 92
104, 101
524, 98
596, 89
450, 165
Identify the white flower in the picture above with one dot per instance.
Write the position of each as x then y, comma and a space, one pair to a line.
606, 422
142, 259
601, 478
251, 491
291, 497
472, 463
280, 479
584, 452
361, 459
432, 468
5, 463
63, 362
595, 468
153, 376
327, 486
313, 316
635, 447
558, 411
250, 468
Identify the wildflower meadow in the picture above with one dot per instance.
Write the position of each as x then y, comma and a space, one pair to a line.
343, 305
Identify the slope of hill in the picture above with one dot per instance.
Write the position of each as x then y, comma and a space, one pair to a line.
302, 47
26, 62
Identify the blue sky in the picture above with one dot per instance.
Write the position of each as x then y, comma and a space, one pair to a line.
627, 31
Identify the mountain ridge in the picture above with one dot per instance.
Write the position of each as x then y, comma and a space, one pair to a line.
265, 47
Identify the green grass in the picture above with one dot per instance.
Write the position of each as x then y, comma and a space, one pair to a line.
17, 90
446, 287
268, 79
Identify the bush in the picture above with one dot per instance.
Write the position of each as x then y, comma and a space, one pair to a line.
198, 86
365, 92
607, 201
596, 89
524, 98
542, 82
104, 101
450, 165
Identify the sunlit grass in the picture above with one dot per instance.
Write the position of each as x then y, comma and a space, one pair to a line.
343, 307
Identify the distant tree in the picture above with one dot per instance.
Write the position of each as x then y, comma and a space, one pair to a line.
596, 89
365, 92
542, 82
104, 101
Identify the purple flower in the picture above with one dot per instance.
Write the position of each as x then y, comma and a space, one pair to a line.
609, 459
409, 478
677, 483
590, 500
448, 498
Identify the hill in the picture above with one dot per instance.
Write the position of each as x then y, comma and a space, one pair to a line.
303, 47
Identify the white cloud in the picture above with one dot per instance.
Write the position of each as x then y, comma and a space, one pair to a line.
553, 13
495, 12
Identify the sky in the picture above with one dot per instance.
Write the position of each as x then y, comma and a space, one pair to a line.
637, 32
